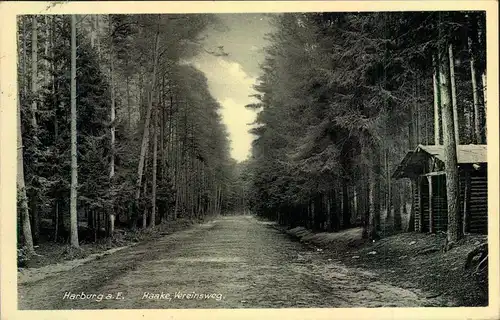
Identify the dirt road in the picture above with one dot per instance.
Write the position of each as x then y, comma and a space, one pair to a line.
232, 262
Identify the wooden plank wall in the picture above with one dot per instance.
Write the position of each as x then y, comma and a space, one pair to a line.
421, 206
416, 207
478, 206
425, 204
478, 210
462, 181
439, 204
477, 213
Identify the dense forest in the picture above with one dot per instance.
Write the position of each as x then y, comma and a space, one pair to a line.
365, 182
343, 96
116, 128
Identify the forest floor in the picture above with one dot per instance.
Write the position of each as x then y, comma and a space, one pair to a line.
56, 257
230, 262
409, 260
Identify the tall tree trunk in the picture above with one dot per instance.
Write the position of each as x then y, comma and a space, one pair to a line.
389, 220
199, 183
155, 160
397, 208
219, 212
170, 143
145, 209
34, 73
34, 122
144, 193
454, 94
172, 150
177, 172
127, 83
411, 218
22, 81
437, 102
21, 187
74, 165
313, 214
56, 221
466, 201
140, 93
53, 68
145, 206
450, 151
112, 120
193, 173
374, 193
24, 66
481, 31
112, 111
187, 188
216, 201
336, 208
328, 212
129, 109
372, 226
145, 136
416, 123
57, 224
97, 39
485, 98
426, 127
162, 168
411, 144
378, 189
355, 196
46, 63
162, 124
365, 212
92, 31
346, 213
185, 161
475, 95
52, 73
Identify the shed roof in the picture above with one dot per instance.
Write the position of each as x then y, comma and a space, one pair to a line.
466, 154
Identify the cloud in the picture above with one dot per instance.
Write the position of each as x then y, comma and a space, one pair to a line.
231, 86
237, 117
226, 78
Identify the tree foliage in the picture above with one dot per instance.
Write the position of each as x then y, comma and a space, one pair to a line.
342, 97
194, 166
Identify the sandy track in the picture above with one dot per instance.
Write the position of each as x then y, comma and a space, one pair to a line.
233, 262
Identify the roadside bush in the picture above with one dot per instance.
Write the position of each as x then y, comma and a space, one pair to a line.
22, 257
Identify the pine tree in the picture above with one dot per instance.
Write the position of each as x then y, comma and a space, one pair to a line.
450, 150
74, 164
145, 137
21, 188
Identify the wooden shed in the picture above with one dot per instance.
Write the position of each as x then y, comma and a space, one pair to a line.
425, 167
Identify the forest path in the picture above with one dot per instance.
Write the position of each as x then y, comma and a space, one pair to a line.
236, 261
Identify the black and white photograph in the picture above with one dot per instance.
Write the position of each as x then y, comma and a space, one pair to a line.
253, 160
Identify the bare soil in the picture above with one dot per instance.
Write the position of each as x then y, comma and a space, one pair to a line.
50, 253
409, 260
231, 262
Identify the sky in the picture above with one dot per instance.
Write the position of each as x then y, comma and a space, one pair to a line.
231, 78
